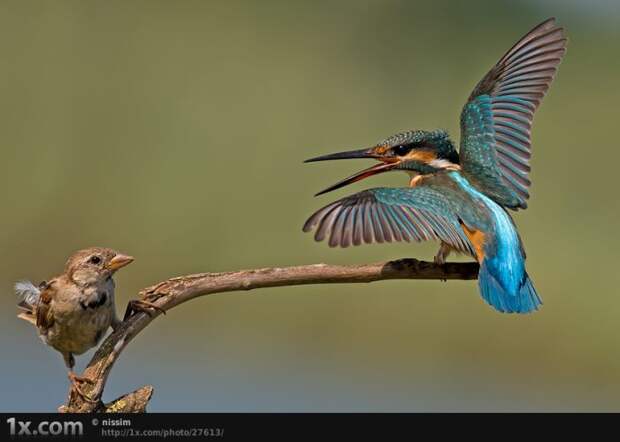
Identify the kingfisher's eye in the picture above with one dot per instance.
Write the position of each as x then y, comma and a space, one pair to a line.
95, 259
403, 149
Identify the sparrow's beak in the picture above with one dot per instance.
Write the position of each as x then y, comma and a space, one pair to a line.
386, 165
119, 261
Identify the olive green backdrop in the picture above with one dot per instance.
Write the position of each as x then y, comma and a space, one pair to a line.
175, 131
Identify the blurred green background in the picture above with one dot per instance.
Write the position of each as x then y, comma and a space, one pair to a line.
175, 131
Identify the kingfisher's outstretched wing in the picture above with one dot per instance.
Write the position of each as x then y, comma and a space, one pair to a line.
390, 214
497, 118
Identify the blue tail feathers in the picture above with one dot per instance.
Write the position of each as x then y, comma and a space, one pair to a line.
523, 299
502, 278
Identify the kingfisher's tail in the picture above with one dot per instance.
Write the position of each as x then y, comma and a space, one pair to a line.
523, 299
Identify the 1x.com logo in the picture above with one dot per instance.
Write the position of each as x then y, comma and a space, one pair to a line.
45, 428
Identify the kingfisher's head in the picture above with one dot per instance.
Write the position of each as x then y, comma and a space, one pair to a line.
414, 151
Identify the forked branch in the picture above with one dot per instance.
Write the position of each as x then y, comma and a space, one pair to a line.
175, 291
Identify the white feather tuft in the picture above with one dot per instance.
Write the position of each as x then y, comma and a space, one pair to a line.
27, 294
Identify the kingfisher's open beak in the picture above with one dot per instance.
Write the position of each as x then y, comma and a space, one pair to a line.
361, 153
387, 164
119, 261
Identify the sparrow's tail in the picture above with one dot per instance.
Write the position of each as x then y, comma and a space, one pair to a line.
27, 299
522, 298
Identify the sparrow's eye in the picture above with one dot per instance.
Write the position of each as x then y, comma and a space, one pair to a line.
95, 259
403, 149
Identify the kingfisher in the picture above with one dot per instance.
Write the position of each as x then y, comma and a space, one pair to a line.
460, 198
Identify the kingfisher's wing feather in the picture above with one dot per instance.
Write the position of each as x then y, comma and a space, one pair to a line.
390, 214
497, 118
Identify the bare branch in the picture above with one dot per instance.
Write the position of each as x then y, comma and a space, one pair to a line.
175, 291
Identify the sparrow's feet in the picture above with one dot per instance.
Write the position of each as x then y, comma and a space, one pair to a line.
76, 381
154, 293
156, 287
138, 305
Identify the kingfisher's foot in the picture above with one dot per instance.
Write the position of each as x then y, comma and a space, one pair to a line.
75, 386
138, 305
442, 254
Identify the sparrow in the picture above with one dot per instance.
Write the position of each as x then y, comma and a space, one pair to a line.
74, 310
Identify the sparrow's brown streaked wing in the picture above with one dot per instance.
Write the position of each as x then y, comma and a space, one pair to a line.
45, 318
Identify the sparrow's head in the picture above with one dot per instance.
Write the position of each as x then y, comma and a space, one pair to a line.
414, 151
95, 264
